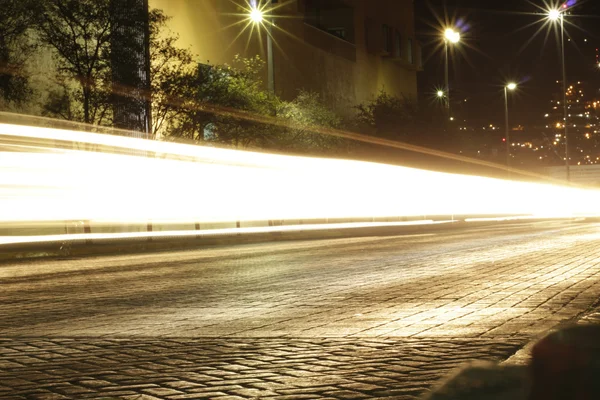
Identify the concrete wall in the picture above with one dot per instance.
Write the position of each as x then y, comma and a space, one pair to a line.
345, 72
579, 174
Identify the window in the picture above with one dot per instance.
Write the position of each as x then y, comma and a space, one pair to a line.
339, 32
387, 39
398, 45
409, 52
334, 18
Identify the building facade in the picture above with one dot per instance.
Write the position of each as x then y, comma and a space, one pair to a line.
346, 50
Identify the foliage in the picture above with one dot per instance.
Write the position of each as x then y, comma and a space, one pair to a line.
387, 116
406, 120
172, 72
227, 104
225, 101
60, 103
79, 32
304, 117
16, 19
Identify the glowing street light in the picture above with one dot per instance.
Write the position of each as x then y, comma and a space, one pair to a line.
453, 37
511, 86
440, 94
257, 16
556, 15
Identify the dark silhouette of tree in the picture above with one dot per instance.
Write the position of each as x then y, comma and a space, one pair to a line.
80, 32
16, 19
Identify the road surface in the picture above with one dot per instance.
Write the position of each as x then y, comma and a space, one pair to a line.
374, 317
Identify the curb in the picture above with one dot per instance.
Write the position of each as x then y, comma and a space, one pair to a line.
136, 245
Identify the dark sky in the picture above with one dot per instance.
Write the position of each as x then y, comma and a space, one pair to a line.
494, 51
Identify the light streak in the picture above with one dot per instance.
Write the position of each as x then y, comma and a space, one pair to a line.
210, 232
46, 185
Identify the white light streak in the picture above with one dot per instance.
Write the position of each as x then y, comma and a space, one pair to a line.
182, 185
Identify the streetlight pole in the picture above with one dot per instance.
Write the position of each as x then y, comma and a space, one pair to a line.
565, 107
450, 36
257, 16
270, 59
446, 81
558, 15
510, 86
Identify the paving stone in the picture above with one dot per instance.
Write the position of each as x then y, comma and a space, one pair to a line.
162, 325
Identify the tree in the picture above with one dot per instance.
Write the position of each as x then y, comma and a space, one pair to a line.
221, 101
401, 119
387, 116
304, 117
79, 31
16, 19
172, 72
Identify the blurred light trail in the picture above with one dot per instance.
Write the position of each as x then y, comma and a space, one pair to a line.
210, 232
49, 188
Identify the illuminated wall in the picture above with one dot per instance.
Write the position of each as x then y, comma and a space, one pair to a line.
346, 72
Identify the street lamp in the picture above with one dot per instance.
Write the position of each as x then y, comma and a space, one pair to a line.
453, 37
554, 15
511, 86
558, 15
257, 16
440, 94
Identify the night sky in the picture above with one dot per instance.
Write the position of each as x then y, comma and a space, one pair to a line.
493, 52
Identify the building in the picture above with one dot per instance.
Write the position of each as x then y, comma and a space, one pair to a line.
346, 50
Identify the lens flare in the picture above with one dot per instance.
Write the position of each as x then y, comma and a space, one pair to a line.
256, 15
554, 15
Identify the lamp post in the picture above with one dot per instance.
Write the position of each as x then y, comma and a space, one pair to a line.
511, 87
258, 17
558, 15
450, 37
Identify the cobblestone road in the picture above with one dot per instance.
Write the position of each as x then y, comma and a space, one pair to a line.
235, 368
347, 318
